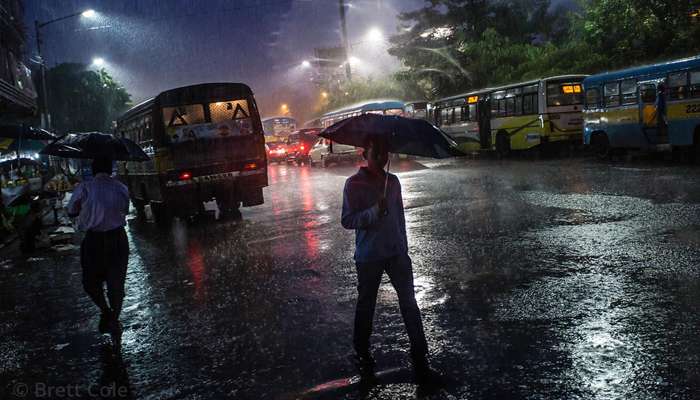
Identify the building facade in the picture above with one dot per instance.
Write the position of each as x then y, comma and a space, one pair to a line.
18, 97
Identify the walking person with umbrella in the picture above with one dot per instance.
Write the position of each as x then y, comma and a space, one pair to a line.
373, 207
100, 206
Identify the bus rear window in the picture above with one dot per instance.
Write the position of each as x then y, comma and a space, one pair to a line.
229, 110
183, 115
564, 94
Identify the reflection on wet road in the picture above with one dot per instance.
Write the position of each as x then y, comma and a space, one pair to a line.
549, 279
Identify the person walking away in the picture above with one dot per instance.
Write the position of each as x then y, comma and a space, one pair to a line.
101, 205
381, 245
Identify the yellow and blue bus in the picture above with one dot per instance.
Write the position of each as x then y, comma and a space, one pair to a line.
653, 107
518, 116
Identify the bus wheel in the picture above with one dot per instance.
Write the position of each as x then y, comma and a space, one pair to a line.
601, 146
502, 145
161, 214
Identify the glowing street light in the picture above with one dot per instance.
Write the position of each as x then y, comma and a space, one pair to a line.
374, 35
45, 114
98, 61
305, 64
324, 94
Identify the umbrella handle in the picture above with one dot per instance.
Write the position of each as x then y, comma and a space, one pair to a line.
386, 178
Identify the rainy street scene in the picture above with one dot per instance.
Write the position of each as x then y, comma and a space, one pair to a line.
349, 199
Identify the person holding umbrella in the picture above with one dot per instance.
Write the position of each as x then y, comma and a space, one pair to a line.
373, 207
101, 206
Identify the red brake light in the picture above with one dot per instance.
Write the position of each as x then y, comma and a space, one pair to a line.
185, 176
250, 166
301, 147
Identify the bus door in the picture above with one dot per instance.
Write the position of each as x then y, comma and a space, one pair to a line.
652, 112
484, 112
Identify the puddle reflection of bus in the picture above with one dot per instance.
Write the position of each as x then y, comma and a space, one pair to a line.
278, 128
520, 116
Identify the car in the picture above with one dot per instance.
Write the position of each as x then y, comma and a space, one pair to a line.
325, 152
299, 145
276, 152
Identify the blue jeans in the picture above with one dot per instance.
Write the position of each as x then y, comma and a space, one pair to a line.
369, 276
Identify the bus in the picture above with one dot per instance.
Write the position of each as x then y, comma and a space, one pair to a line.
205, 142
519, 116
416, 109
278, 128
386, 107
458, 117
652, 107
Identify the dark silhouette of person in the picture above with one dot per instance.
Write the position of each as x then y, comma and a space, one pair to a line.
381, 246
101, 206
661, 109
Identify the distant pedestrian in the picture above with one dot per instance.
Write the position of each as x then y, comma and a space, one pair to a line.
661, 110
381, 245
101, 205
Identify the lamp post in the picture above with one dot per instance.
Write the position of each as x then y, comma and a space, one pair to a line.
45, 115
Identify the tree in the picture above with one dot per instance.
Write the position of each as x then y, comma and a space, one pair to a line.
82, 100
456, 45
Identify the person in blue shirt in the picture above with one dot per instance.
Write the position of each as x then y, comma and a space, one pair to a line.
381, 245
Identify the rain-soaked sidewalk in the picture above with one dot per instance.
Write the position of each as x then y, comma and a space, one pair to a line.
548, 279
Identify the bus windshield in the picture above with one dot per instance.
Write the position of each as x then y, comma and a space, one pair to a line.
564, 94
189, 122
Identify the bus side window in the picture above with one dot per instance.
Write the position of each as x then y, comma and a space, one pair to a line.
678, 85
629, 91
695, 83
592, 98
612, 94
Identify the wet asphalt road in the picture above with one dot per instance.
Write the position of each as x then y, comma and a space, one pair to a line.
565, 279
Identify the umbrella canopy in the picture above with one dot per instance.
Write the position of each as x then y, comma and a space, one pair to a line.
95, 145
25, 132
410, 136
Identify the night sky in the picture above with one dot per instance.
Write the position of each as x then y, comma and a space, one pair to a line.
154, 45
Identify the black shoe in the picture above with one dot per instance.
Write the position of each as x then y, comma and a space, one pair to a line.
365, 366
426, 375
103, 326
115, 331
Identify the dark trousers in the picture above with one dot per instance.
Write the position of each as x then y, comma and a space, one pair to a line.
369, 276
104, 257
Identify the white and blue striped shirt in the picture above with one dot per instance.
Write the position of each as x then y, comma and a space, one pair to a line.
101, 204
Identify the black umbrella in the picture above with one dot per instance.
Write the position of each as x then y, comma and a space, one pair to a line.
95, 145
410, 136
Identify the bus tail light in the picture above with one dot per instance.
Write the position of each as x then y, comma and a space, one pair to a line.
250, 166
185, 176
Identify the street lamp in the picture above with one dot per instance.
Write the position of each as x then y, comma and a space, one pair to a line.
324, 94
98, 61
374, 35
305, 64
46, 116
